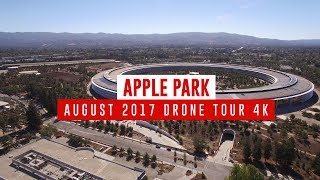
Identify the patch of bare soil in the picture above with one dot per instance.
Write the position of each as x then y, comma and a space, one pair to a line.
199, 176
103, 66
65, 76
165, 168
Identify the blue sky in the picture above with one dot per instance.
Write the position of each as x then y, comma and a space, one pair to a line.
281, 19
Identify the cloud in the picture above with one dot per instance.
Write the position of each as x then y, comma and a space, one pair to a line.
223, 18
245, 4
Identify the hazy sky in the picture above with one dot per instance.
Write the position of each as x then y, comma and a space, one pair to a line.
282, 19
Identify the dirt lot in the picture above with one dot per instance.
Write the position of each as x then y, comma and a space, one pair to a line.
65, 76
103, 66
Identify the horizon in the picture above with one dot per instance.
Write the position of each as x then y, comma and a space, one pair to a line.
162, 34
258, 18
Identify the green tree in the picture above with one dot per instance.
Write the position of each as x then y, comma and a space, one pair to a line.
100, 125
292, 116
154, 161
122, 129
137, 158
203, 176
246, 126
273, 126
285, 152
7, 141
146, 160
315, 135
246, 148
316, 164
283, 133
154, 158
184, 158
106, 128
129, 154
114, 150
121, 151
245, 172
3, 122
87, 124
129, 131
33, 118
267, 149
48, 131
199, 144
76, 141
257, 152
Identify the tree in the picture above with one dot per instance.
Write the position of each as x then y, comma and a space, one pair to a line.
122, 130
33, 117
137, 159
129, 154
129, 131
154, 161
292, 116
246, 126
316, 164
7, 141
267, 149
87, 124
111, 127
114, 150
283, 133
203, 176
76, 141
48, 131
306, 114
100, 125
146, 160
154, 158
256, 154
285, 152
273, 126
184, 158
121, 151
106, 128
3, 123
246, 148
94, 124
199, 144
245, 172
302, 135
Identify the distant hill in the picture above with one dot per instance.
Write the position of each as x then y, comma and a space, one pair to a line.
84, 40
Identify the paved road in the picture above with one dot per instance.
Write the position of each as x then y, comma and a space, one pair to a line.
223, 153
211, 169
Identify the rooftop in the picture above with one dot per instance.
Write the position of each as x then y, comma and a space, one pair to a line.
82, 159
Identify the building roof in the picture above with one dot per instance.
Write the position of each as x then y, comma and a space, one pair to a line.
283, 85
